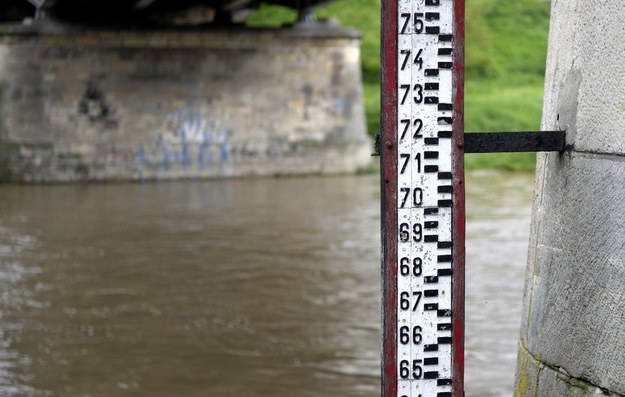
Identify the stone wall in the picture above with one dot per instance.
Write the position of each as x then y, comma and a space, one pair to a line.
573, 327
107, 105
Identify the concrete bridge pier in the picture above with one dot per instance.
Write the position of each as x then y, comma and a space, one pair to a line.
79, 103
572, 340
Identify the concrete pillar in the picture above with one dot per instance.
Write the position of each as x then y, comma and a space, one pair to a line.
101, 104
572, 339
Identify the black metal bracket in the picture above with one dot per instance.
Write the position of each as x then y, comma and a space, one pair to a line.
376, 145
527, 141
498, 142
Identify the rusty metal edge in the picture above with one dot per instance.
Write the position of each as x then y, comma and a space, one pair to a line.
458, 215
388, 176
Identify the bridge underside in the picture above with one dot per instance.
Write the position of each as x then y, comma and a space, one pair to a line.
149, 12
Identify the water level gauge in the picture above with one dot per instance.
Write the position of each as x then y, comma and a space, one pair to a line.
423, 198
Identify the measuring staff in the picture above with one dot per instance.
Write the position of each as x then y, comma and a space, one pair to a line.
423, 198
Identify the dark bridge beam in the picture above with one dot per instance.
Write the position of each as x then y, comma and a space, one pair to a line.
137, 12
141, 4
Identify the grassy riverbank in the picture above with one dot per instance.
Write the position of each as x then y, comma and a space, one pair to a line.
506, 44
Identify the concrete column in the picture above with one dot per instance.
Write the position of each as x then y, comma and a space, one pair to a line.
572, 339
127, 105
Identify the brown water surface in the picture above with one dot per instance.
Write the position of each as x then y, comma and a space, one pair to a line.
264, 288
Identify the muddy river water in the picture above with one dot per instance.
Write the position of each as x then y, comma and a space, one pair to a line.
259, 288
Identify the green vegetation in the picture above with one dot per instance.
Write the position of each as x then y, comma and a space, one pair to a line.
506, 45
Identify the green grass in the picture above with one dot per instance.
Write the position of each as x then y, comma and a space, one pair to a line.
271, 16
372, 106
502, 106
506, 45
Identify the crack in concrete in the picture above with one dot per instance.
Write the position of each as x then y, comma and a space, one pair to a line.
565, 375
597, 154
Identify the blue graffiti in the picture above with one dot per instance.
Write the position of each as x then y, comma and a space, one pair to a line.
204, 156
140, 155
192, 140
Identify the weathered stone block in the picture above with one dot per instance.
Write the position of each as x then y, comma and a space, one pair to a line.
574, 283
170, 104
573, 326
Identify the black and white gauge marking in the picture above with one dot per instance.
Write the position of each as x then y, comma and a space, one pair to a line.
424, 197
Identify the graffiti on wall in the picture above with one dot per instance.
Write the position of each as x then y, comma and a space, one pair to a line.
186, 129
93, 104
191, 140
